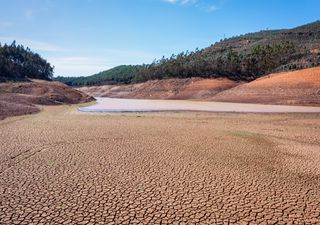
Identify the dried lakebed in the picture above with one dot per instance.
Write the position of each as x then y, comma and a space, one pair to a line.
62, 166
146, 105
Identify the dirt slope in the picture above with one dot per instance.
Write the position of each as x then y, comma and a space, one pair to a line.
192, 88
22, 97
301, 87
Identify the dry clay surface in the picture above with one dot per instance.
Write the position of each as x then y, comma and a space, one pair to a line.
65, 167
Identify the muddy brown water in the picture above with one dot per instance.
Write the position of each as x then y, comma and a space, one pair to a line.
145, 105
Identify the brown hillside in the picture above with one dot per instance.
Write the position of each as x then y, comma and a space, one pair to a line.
22, 97
191, 88
300, 87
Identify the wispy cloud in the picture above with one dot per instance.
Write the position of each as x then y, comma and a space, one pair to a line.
101, 60
78, 65
32, 12
128, 53
33, 44
182, 2
212, 8
200, 4
28, 13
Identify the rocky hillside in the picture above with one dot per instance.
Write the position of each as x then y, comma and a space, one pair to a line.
19, 98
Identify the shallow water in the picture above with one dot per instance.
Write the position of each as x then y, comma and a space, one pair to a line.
146, 105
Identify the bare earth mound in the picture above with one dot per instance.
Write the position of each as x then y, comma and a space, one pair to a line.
191, 88
22, 97
301, 87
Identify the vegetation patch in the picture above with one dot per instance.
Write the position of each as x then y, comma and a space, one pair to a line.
117, 75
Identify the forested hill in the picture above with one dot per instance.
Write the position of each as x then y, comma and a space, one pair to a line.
242, 58
245, 57
20, 63
118, 75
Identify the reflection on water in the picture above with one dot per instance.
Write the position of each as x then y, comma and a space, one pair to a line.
146, 105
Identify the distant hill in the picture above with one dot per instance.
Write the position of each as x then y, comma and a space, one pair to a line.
245, 57
242, 58
121, 74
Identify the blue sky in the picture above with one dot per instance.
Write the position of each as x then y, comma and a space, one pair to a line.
82, 37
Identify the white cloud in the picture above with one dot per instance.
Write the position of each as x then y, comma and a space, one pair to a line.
171, 1
33, 44
212, 8
97, 61
191, 2
128, 53
182, 2
28, 13
78, 65
200, 4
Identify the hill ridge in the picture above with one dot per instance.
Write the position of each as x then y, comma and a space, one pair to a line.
242, 58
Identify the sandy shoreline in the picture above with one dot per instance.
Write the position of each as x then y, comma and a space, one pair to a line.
62, 166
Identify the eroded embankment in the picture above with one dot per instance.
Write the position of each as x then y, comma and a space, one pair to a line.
20, 98
192, 88
301, 87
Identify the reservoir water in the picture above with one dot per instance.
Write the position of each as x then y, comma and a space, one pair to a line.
146, 105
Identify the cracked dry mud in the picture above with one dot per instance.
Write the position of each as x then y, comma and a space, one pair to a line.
62, 167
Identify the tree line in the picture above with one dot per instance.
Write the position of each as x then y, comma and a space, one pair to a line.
229, 63
245, 57
118, 75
